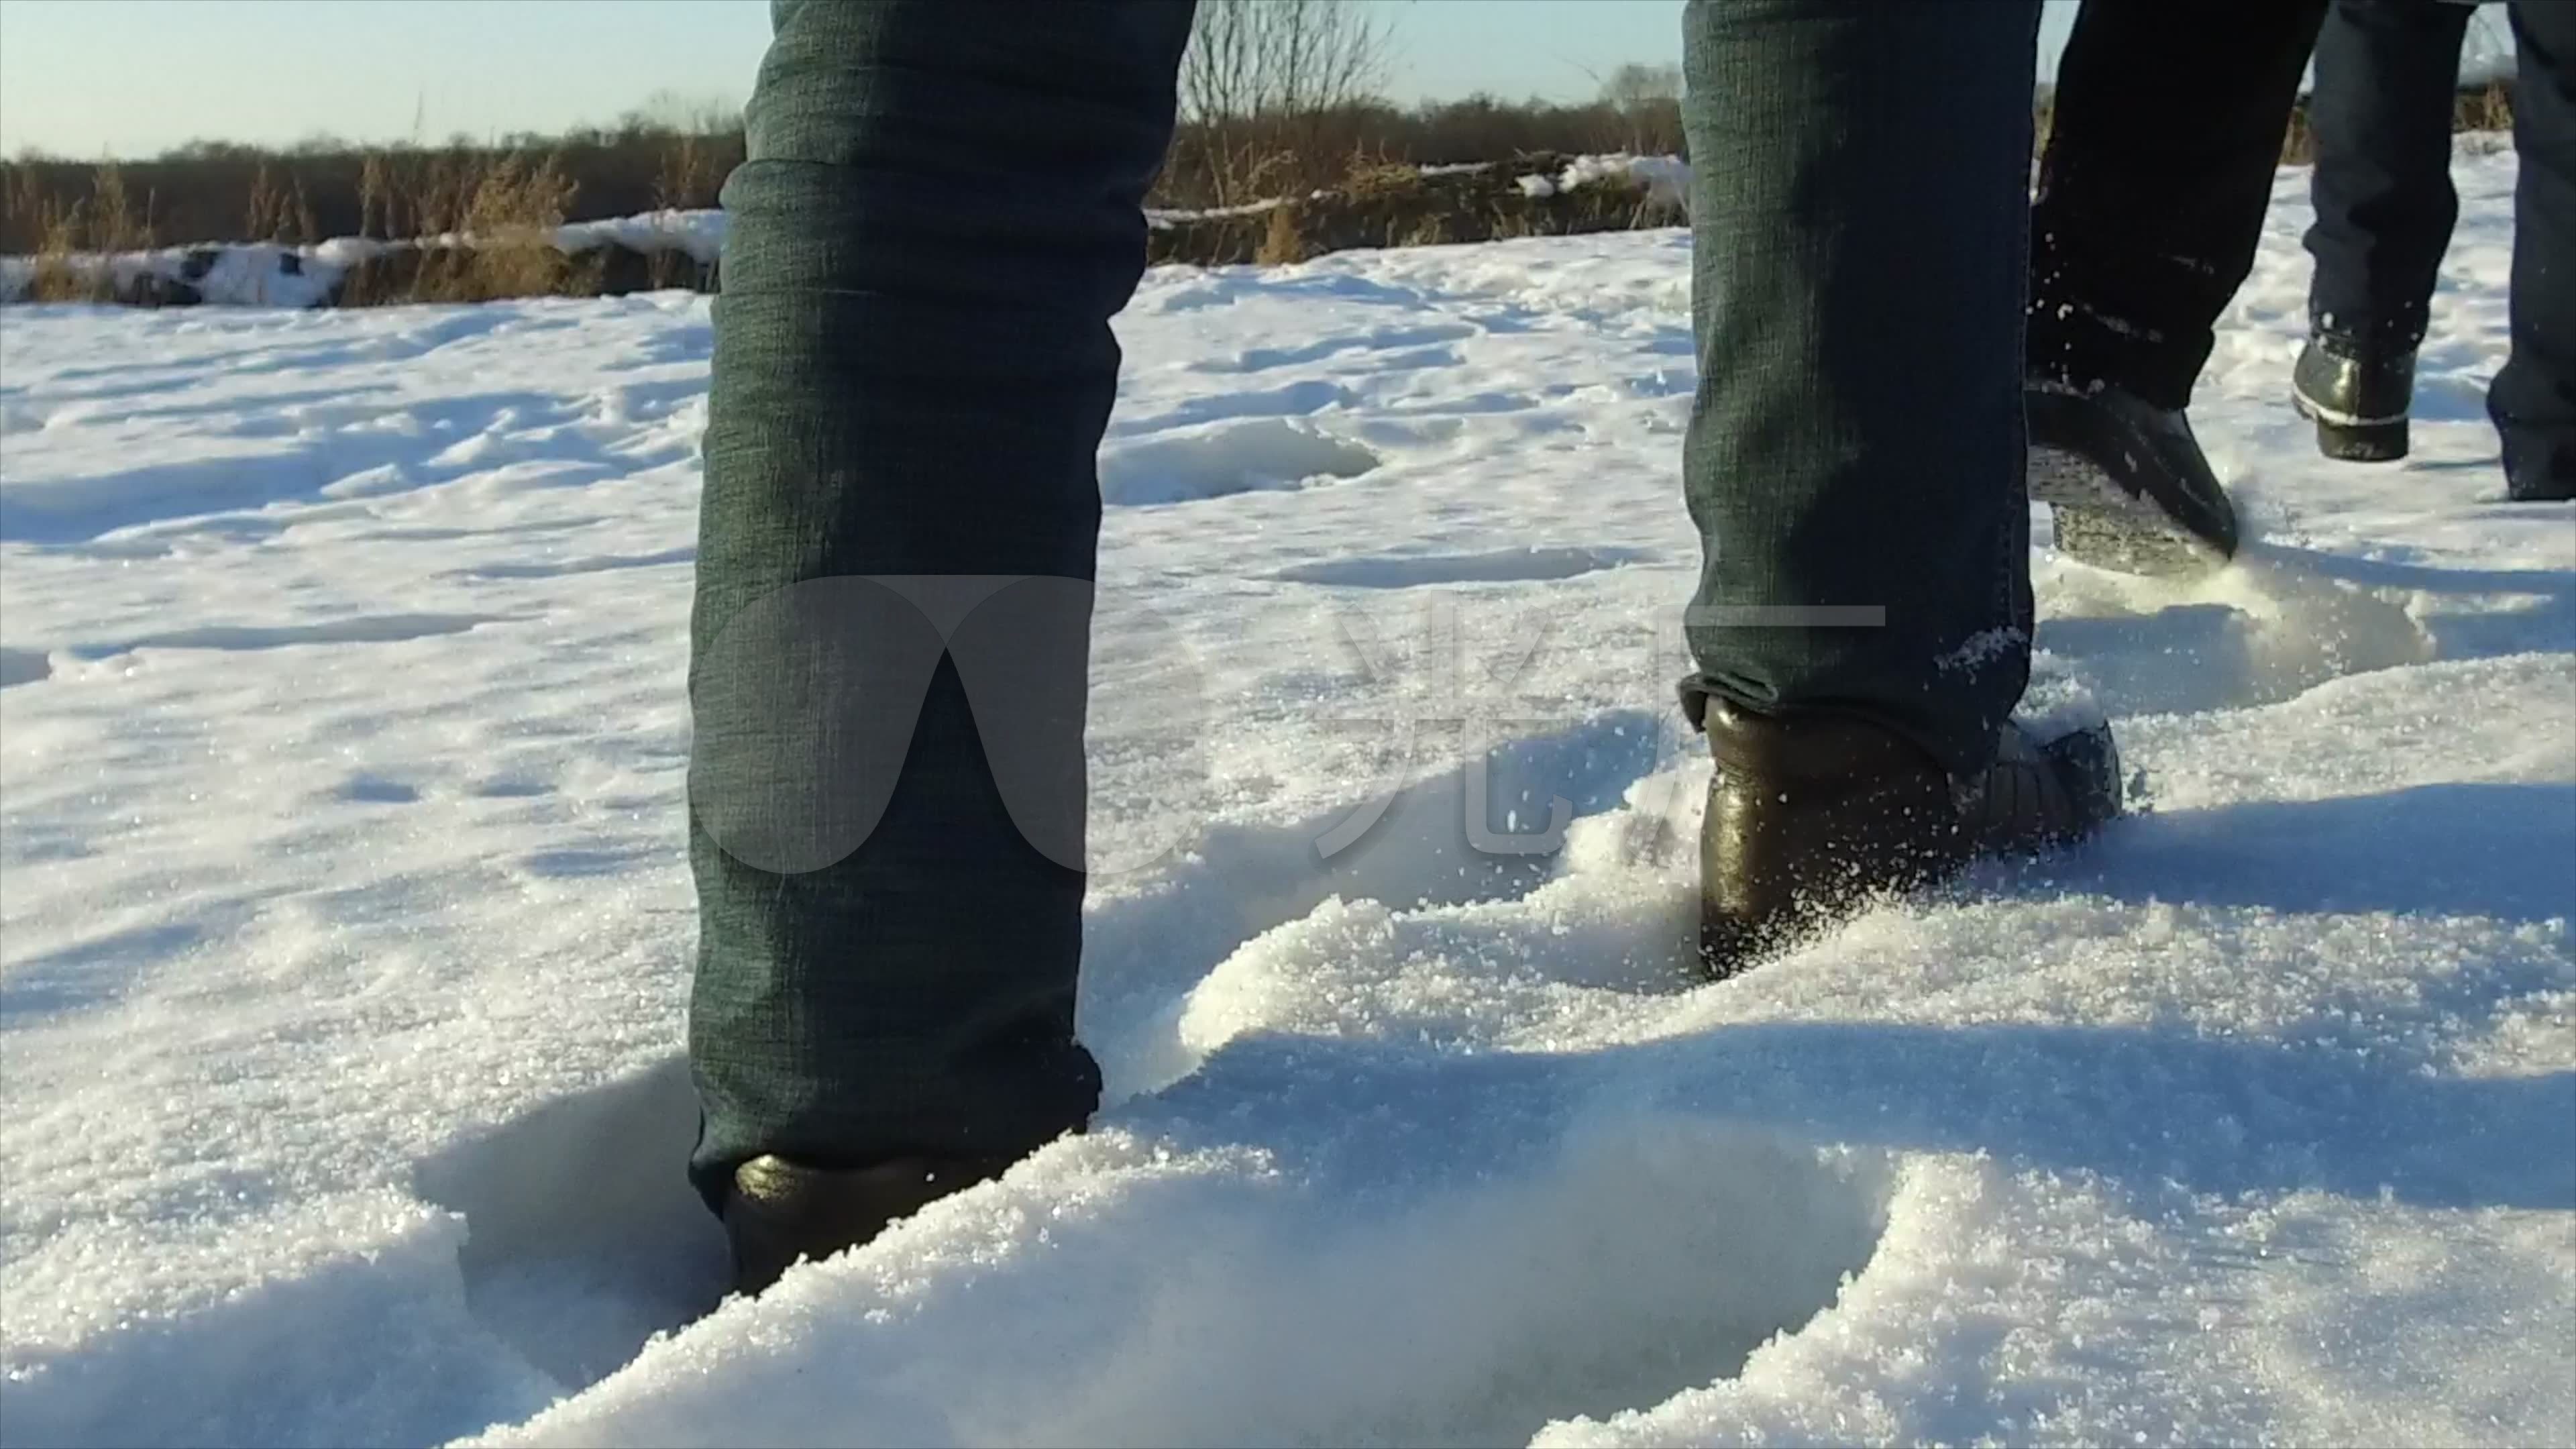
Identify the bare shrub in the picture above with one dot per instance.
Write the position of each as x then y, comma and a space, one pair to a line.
1647, 100
489, 230
1261, 80
688, 178
376, 197
269, 214
510, 215
115, 224
70, 238
2488, 108
56, 278
1281, 242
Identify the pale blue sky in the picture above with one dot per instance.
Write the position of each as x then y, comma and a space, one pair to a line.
131, 77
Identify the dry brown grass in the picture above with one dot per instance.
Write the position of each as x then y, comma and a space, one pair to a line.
1281, 241
268, 215
2489, 108
691, 176
115, 223
1375, 176
376, 196
487, 232
1429, 231
1390, 205
511, 203
106, 221
510, 218
1235, 171
280, 212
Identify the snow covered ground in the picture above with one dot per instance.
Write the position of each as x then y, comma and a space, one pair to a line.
346, 932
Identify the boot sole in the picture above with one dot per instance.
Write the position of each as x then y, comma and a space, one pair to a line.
2116, 507
2384, 441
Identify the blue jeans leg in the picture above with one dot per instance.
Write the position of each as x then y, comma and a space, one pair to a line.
939, 214
1860, 225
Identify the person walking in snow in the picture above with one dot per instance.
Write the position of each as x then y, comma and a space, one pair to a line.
2387, 72
2164, 137
2153, 187
939, 215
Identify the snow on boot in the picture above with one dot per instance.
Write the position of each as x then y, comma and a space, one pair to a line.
1811, 816
2126, 480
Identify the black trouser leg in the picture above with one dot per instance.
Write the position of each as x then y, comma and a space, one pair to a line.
2158, 169
2387, 74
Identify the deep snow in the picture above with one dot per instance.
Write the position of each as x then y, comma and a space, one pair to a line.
346, 930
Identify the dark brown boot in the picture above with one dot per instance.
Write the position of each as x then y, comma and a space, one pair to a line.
779, 1212
1810, 816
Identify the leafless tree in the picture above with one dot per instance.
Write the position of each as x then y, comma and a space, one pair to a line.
1633, 86
1259, 77
674, 113
1647, 101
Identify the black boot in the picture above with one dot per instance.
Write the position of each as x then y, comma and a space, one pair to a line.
2539, 471
1812, 816
2126, 481
779, 1212
2356, 395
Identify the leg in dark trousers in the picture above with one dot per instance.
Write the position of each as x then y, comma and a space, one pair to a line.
1859, 222
2533, 400
1858, 228
2387, 78
2387, 81
913, 370
2165, 137
2159, 166
940, 212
